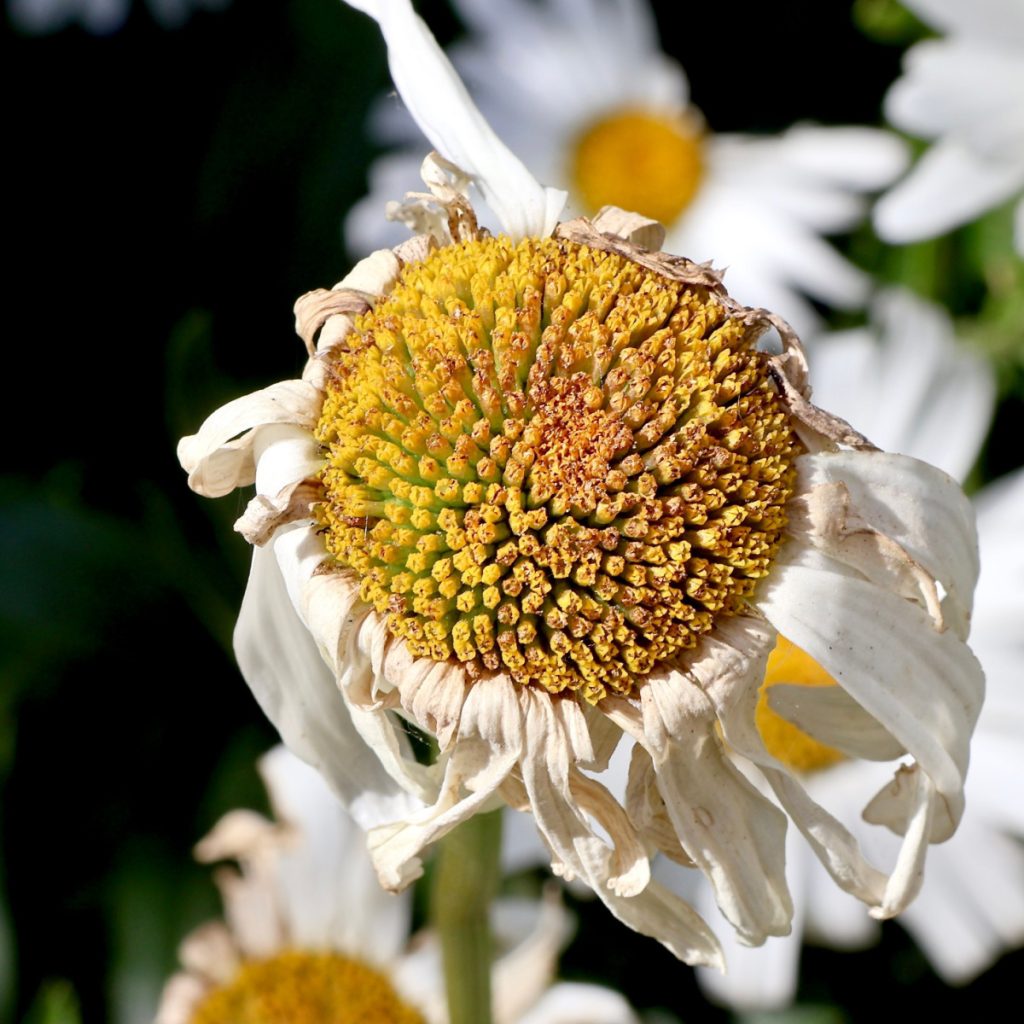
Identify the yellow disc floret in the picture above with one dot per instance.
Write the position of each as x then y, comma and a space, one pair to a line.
548, 460
791, 745
650, 163
306, 988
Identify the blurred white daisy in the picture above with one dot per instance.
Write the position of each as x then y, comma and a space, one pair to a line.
309, 935
582, 93
913, 387
538, 491
964, 94
100, 17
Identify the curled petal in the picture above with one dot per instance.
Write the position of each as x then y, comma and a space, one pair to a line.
218, 460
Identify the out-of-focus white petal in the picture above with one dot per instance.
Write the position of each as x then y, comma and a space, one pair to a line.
329, 906
972, 905
455, 127
907, 385
948, 186
971, 90
987, 19
577, 1003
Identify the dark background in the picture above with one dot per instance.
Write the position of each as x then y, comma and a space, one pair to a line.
169, 195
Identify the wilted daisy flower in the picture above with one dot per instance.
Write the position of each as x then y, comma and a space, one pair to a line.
912, 386
965, 95
584, 95
309, 936
541, 490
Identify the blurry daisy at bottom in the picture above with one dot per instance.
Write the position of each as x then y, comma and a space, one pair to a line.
915, 391
309, 935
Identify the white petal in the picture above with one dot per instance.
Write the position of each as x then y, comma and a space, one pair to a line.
210, 953
251, 910
914, 816
390, 177
181, 996
731, 832
833, 717
448, 117
535, 931
971, 906
908, 386
486, 750
730, 667
282, 665
546, 778
924, 687
920, 508
858, 158
971, 91
948, 186
755, 979
215, 463
328, 907
997, 20
577, 1003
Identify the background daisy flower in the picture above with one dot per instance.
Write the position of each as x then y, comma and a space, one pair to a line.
445, 370
309, 935
963, 94
971, 905
584, 95
99, 16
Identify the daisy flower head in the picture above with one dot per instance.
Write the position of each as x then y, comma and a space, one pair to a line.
964, 95
583, 94
541, 490
310, 937
909, 383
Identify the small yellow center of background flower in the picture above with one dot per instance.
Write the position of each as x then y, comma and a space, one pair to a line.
792, 746
306, 988
548, 460
640, 161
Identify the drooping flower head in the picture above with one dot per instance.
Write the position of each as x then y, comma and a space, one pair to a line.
309, 938
541, 490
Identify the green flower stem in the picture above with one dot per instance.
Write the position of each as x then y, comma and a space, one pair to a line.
466, 879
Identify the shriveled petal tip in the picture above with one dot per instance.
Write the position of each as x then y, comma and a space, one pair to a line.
441, 106
219, 457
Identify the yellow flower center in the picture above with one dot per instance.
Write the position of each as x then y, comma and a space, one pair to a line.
306, 988
548, 460
640, 161
789, 664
